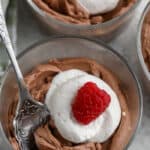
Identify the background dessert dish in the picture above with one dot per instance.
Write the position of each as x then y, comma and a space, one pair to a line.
81, 20
143, 44
146, 40
52, 49
83, 12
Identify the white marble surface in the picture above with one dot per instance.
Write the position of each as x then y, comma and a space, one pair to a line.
29, 32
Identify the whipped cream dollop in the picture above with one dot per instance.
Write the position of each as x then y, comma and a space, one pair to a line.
98, 6
59, 98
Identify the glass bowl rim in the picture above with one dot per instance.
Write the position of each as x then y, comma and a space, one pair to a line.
98, 42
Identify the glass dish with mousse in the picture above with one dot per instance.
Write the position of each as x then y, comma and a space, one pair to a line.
93, 106
82, 16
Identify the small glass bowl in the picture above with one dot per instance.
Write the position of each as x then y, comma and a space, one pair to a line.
67, 47
99, 29
139, 43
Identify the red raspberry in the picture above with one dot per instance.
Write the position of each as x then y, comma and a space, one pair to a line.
89, 103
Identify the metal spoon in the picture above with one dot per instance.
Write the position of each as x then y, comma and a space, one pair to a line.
30, 114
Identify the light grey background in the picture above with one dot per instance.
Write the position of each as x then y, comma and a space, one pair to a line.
30, 32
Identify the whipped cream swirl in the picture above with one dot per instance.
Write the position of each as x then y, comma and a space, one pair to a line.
98, 6
59, 98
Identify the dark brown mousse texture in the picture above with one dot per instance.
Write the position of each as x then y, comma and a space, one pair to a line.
146, 40
47, 137
69, 11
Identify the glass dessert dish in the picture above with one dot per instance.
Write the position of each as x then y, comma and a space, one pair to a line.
143, 42
103, 28
70, 47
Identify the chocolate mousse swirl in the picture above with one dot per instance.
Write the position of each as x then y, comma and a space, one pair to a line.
47, 137
71, 12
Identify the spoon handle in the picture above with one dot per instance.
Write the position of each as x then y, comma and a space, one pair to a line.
6, 39
24, 143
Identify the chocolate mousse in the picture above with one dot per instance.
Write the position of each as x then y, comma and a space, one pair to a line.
146, 40
71, 12
47, 137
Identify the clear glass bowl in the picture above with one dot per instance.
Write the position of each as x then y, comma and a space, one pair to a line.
139, 44
62, 47
99, 29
